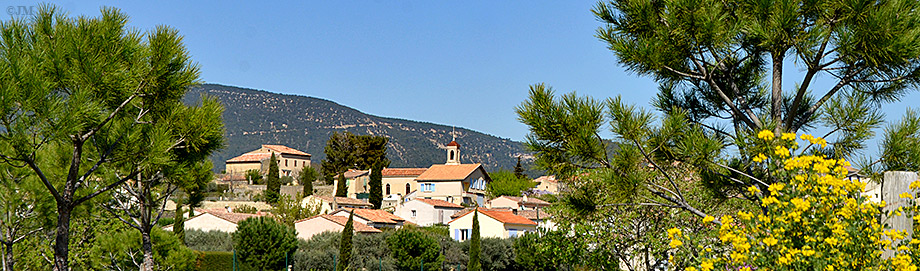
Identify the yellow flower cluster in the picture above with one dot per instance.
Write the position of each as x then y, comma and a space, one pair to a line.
815, 220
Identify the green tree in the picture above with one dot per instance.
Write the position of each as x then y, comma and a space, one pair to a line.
506, 183
306, 178
264, 243
24, 206
376, 184
347, 150
411, 248
475, 243
288, 210
254, 176
179, 223
117, 249
81, 92
341, 188
345, 248
272, 183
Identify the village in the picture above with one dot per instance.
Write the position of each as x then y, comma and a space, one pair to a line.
441, 195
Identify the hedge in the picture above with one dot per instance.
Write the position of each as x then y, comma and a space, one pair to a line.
219, 261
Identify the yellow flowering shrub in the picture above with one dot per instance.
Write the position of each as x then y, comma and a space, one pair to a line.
815, 219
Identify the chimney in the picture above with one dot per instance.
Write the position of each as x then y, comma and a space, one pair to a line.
229, 210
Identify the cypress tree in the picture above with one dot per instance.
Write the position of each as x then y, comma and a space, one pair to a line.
273, 182
307, 176
376, 183
345, 246
475, 241
341, 190
518, 169
179, 223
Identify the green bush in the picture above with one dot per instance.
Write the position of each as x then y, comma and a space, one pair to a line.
116, 250
208, 240
264, 242
411, 248
246, 209
219, 261
321, 251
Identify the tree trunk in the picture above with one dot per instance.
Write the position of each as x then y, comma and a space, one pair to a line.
777, 97
62, 238
7, 256
147, 247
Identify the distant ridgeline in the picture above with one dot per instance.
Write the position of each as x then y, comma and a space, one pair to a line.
255, 117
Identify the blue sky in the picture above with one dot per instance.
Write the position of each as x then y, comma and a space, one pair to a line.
462, 63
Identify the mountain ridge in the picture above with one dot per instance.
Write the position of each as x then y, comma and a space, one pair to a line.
253, 117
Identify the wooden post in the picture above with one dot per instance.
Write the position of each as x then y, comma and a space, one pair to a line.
895, 183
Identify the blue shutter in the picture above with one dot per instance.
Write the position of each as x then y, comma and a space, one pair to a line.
432, 188
457, 234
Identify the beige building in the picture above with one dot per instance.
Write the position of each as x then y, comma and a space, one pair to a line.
547, 185
427, 212
378, 219
357, 182
290, 161
492, 223
518, 203
453, 181
330, 204
215, 220
308, 227
400, 181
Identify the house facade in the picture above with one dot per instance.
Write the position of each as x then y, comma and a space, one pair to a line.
290, 161
427, 212
546, 185
492, 223
357, 183
453, 181
308, 227
400, 181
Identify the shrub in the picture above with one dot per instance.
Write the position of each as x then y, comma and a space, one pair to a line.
321, 252
814, 218
246, 209
117, 250
410, 248
264, 242
219, 261
208, 240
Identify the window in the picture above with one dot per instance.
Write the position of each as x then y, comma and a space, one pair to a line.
451, 155
407, 189
427, 187
285, 162
388, 189
295, 163
464, 234
414, 213
512, 232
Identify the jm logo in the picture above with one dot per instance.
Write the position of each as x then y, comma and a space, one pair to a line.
21, 10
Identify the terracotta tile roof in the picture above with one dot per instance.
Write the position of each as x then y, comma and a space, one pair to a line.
448, 172
403, 171
352, 173
341, 220
376, 216
250, 157
439, 203
532, 214
344, 200
285, 149
234, 218
503, 216
453, 143
530, 200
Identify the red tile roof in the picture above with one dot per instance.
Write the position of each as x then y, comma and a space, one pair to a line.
341, 220
530, 200
376, 216
403, 171
448, 172
439, 203
532, 214
285, 149
345, 201
234, 218
250, 157
503, 216
453, 143
550, 178
352, 173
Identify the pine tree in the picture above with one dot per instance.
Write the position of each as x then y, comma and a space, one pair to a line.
179, 223
345, 246
341, 190
376, 183
518, 169
307, 176
273, 182
475, 243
